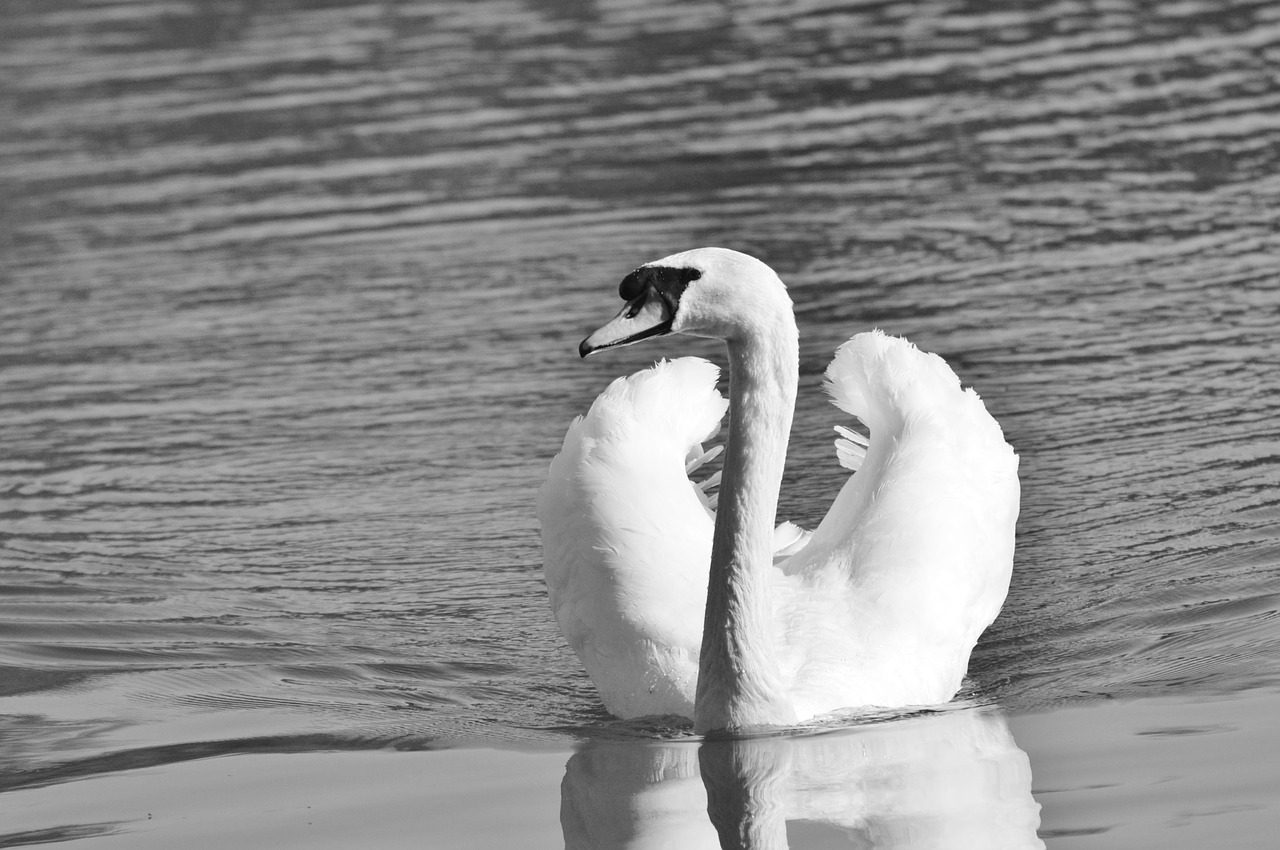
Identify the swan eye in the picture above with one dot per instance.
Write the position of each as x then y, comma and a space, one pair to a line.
634, 307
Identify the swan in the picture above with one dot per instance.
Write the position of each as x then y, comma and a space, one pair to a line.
678, 603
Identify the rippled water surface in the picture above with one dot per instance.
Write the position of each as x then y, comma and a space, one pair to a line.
290, 295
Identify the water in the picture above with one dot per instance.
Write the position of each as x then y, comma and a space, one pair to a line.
291, 294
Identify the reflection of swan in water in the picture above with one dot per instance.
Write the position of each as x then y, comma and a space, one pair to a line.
676, 611
949, 780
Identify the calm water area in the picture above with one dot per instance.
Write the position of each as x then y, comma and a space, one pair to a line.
290, 296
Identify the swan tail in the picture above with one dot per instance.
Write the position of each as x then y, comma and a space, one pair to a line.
626, 535
919, 541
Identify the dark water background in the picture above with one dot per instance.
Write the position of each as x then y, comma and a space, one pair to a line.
290, 295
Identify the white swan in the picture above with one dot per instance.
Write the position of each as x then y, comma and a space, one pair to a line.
720, 617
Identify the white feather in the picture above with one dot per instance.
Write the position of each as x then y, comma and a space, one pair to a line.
913, 559
627, 537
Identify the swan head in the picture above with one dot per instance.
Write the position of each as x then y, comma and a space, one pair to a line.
709, 292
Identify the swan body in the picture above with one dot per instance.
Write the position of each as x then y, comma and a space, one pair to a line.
678, 605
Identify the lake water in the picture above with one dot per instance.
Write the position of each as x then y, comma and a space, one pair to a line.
290, 295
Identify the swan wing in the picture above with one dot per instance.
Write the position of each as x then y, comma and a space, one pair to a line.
912, 562
626, 536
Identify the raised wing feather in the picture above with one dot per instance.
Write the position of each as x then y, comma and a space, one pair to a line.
912, 562
626, 536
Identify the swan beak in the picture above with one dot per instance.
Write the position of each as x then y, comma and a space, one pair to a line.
644, 316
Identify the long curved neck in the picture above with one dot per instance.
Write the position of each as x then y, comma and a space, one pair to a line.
739, 684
